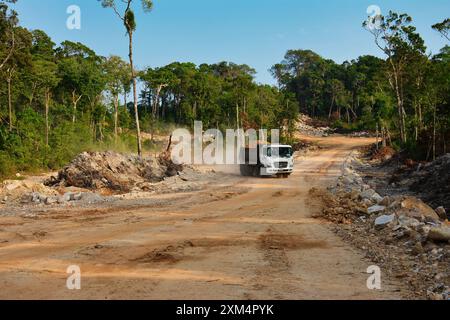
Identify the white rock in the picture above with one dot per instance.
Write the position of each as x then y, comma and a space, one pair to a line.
376, 198
347, 180
76, 196
13, 186
376, 209
409, 222
51, 200
348, 171
67, 196
367, 194
384, 220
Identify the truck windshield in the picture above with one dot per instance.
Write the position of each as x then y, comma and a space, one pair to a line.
283, 152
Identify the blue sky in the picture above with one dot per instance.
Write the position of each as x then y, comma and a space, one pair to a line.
255, 32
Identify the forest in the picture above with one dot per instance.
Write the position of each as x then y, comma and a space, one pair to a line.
57, 100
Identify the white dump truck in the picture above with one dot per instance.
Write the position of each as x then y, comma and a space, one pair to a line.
267, 160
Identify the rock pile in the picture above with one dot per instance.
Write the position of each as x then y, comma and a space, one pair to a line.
394, 230
66, 198
114, 171
13, 191
306, 125
432, 181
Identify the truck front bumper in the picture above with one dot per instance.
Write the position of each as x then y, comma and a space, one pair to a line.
274, 171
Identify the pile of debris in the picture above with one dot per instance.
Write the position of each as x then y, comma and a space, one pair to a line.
432, 181
393, 173
67, 198
382, 154
402, 233
13, 191
307, 126
115, 172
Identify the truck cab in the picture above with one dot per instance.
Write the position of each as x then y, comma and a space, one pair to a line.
268, 160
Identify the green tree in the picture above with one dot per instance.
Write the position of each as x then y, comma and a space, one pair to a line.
8, 24
443, 28
128, 19
116, 70
400, 42
20, 58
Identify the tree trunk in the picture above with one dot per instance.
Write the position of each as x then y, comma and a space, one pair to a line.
10, 101
75, 101
125, 99
237, 115
11, 50
400, 106
331, 108
348, 114
434, 133
47, 107
116, 117
74, 116
133, 76
377, 136
155, 108
164, 107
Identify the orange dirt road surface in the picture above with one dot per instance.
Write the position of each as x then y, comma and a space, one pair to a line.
240, 238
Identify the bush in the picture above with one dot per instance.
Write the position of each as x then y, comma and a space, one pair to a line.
7, 166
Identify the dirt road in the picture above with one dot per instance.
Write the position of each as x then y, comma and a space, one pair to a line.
241, 238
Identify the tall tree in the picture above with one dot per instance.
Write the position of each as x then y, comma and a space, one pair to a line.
8, 23
116, 70
400, 42
128, 19
19, 59
47, 71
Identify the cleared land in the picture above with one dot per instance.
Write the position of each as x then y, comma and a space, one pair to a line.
235, 238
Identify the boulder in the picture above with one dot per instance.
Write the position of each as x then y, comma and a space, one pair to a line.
348, 171
411, 206
366, 202
14, 185
376, 198
408, 222
76, 196
441, 213
386, 201
384, 220
376, 209
67, 196
51, 200
347, 180
367, 194
439, 234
